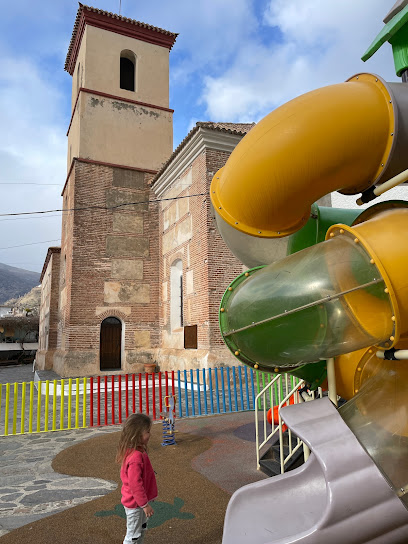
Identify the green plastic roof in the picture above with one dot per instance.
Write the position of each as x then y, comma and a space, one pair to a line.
389, 30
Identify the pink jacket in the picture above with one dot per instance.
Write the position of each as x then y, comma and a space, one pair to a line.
138, 479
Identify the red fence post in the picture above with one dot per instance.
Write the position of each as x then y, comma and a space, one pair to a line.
160, 393
154, 394
147, 392
173, 389
91, 402
120, 398
127, 395
99, 402
140, 393
133, 394
166, 374
113, 399
106, 400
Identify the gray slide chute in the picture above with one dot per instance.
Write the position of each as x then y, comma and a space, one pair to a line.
338, 496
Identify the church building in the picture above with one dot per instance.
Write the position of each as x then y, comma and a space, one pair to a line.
141, 269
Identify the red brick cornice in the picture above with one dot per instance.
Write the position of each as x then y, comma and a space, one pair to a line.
100, 163
113, 23
114, 97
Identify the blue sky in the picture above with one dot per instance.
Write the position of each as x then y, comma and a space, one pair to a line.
234, 60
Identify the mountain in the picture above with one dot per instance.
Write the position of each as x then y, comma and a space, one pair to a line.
30, 300
15, 282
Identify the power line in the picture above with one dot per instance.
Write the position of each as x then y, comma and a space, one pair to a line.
103, 207
28, 218
32, 244
27, 183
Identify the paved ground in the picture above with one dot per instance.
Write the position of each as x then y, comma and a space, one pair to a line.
31, 490
16, 373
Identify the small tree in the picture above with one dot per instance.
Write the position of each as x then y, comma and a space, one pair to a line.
19, 329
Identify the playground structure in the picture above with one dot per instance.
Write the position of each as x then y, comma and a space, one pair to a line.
169, 419
326, 284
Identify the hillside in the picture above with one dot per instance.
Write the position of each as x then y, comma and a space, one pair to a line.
30, 300
15, 282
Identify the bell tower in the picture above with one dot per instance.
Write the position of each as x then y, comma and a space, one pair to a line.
120, 133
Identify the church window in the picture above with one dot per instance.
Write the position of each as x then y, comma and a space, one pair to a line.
176, 295
127, 70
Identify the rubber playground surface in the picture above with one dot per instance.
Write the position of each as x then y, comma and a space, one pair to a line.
196, 477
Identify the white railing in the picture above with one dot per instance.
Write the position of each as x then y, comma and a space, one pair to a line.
275, 391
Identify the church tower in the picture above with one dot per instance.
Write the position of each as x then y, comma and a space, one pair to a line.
120, 134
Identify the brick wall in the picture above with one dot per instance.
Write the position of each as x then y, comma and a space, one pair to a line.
109, 263
48, 321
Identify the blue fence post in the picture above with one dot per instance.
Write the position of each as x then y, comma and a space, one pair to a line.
205, 393
216, 390
229, 389
179, 393
223, 389
211, 390
240, 387
235, 388
192, 392
198, 392
185, 391
253, 388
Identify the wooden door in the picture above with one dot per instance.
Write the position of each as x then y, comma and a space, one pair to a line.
111, 344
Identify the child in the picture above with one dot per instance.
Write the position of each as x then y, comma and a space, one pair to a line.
137, 475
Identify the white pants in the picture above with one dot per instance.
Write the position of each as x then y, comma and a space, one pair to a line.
136, 521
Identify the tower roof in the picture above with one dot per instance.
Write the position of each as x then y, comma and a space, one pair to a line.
112, 22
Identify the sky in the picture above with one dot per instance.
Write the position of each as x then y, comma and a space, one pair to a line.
233, 61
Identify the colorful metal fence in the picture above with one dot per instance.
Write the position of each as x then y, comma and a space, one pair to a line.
43, 406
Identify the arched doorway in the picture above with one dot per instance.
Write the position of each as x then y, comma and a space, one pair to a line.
111, 344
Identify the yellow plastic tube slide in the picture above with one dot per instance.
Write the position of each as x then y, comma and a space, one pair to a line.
337, 138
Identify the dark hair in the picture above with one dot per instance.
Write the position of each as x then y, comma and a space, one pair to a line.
131, 437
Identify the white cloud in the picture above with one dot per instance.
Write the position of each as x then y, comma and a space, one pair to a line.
32, 150
320, 43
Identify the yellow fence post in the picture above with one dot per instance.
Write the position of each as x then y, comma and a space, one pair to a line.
84, 405
47, 398
69, 402
54, 407
23, 401
15, 406
39, 406
7, 409
77, 404
30, 415
62, 406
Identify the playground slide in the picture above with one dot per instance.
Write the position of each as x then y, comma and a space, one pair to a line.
331, 498
336, 297
347, 292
